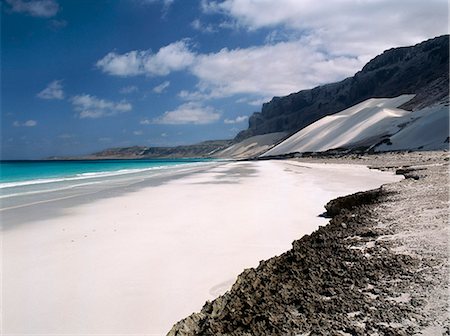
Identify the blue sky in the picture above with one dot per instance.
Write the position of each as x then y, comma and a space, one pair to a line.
79, 76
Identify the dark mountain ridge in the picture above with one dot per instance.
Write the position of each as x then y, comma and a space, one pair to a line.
203, 149
422, 69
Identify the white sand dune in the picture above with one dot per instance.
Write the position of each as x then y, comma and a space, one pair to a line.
369, 122
138, 262
429, 130
362, 124
252, 146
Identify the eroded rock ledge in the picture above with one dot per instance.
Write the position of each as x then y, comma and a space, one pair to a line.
351, 277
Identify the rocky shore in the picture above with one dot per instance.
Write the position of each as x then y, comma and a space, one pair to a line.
380, 267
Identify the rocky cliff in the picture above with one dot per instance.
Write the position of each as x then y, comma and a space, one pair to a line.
421, 69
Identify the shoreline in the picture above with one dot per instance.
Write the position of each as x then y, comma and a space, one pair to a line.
141, 260
379, 268
66, 194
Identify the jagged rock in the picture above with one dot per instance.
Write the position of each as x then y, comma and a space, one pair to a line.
335, 206
308, 289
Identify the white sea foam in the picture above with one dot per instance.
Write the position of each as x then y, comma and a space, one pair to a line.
47, 190
91, 175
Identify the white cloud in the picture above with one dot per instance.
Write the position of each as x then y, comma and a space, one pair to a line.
164, 135
189, 113
194, 95
89, 106
268, 70
308, 43
37, 8
345, 26
54, 90
138, 132
28, 123
161, 87
128, 89
145, 122
128, 64
236, 120
311, 42
173, 57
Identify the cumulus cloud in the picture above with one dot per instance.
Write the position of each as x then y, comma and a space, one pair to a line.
92, 107
189, 113
308, 43
28, 123
342, 27
173, 57
138, 132
269, 70
311, 42
37, 8
161, 87
236, 120
54, 90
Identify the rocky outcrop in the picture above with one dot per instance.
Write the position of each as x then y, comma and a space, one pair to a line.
315, 287
421, 69
335, 206
367, 272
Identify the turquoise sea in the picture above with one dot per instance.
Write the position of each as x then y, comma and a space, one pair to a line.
21, 173
32, 183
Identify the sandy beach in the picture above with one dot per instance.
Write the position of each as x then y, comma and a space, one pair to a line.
139, 255
380, 267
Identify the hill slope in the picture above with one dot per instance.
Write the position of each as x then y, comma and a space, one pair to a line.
251, 147
200, 150
370, 123
421, 70
428, 131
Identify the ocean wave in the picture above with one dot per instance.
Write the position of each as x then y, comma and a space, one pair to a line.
47, 190
91, 175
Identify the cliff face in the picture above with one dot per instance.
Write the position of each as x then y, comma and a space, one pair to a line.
421, 69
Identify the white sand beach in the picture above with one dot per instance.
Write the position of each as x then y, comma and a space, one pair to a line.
138, 261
